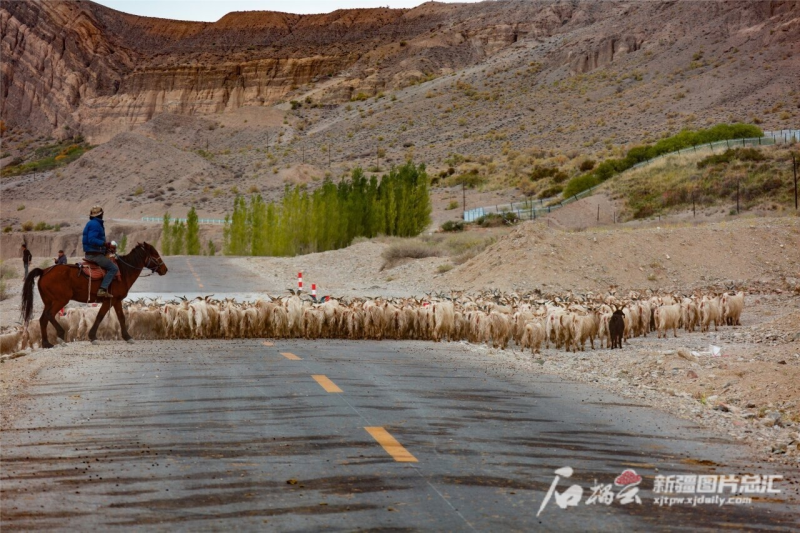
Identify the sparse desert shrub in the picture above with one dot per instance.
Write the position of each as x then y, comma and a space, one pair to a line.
716, 159
8, 229
646, 210
7, 271
27, 225
552, 191
586, 165
452, 205
497, 219
453, 226
579, 184
407, 249
21, 207
441, 269
540, 172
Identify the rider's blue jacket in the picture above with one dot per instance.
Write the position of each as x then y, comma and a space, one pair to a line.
94, 236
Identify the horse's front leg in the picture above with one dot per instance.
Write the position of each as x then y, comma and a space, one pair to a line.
100, 314
121, 318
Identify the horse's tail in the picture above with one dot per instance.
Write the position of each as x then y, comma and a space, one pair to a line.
26, 309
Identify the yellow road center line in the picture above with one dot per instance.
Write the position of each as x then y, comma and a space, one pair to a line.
390, 444
289, 355
326, 383
267, 343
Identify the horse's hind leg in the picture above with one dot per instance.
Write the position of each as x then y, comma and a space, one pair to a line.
55, 307
100, 314
43, 320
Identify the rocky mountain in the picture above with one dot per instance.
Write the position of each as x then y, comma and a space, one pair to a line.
257, 100
76, 65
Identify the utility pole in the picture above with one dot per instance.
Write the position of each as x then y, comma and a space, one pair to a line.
794, 167
598, 212
464, 194
737, 196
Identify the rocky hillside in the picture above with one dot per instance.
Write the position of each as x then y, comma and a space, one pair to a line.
78, 66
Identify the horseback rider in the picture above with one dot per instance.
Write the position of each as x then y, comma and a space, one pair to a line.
95, 247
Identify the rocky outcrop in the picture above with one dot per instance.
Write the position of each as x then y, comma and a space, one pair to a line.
55, 56
603, 53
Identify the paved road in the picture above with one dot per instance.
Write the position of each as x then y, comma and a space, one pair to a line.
193, 276
240, 435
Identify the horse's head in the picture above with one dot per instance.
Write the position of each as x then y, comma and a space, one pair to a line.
153, 261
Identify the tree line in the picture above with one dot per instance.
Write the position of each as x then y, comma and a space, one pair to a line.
331, 216
182, 238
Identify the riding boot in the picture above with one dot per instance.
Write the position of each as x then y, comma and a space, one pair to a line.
103, 293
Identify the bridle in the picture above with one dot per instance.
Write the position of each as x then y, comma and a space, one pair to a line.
158, 263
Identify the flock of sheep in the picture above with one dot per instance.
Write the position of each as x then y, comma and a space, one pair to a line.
489, 318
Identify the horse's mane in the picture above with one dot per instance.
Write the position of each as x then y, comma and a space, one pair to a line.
134, 256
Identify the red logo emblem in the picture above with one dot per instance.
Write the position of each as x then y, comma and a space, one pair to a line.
628, 477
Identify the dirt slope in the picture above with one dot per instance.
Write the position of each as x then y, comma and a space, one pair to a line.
672, 257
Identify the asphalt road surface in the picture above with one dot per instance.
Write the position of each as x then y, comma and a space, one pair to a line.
308, 435
199, 276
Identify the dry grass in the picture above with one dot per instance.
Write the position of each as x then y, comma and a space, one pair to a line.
460, 247
406, 249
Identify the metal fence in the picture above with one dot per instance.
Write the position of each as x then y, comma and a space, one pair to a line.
531, 209
769, 138
199, 220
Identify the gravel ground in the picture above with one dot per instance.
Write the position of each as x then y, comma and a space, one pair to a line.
749, 393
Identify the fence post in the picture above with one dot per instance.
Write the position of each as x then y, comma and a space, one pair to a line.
598, 212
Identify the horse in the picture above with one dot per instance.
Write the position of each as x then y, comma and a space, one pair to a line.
61, 283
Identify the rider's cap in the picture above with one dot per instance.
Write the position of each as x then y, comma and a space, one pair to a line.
96, 211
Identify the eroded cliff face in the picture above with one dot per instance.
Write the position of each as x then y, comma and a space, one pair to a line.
54, 57
73, 66
76, 66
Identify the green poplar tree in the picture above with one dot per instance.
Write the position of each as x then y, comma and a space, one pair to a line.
178, 238
166, 234
193, 246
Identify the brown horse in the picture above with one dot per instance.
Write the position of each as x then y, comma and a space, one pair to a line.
61, 283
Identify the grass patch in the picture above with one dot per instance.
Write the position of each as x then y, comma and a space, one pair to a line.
761, 176
684, 139
7, 271
47, 158
447, 267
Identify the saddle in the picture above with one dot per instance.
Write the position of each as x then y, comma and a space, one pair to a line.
91, 270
